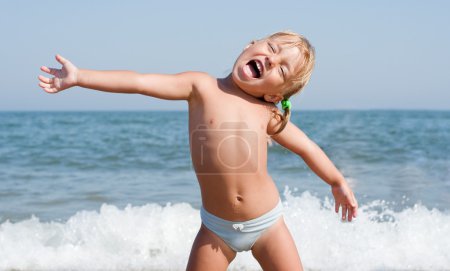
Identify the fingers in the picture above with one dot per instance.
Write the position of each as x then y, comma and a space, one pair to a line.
47, 84
344, 212
349, 211
53, 71
355, 210
48, 70
61, 59
45, 69
354, 206
46, 80
47, 88
350, 214
352, 211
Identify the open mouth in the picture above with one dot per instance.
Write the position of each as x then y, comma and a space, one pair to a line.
255, 68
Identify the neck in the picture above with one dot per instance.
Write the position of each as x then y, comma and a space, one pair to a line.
228, 84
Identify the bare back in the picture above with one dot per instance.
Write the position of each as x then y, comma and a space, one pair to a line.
228, 140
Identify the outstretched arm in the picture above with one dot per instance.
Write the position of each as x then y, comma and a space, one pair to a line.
298, 142
164, 86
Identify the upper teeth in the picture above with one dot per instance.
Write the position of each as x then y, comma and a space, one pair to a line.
258, 66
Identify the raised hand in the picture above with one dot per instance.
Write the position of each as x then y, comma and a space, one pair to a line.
63, 78
344, 198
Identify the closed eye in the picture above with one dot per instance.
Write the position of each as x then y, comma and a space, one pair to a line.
283, 73
271, 47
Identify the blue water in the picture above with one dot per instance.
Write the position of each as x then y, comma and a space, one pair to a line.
54, 164
60, 169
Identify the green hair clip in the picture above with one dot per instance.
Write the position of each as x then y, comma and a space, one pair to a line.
286, 104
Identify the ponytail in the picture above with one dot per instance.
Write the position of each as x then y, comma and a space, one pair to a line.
286, 105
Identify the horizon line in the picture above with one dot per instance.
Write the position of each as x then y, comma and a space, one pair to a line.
185, 110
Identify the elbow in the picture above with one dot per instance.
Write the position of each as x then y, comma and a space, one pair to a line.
139, 84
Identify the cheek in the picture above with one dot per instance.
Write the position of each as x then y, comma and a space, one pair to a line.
274, 79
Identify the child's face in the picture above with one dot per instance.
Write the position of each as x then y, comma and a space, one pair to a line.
265, 67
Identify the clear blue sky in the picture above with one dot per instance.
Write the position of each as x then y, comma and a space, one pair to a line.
370, 54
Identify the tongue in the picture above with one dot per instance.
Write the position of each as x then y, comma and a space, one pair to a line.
250, 70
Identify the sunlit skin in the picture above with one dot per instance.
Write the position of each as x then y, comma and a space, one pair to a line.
243, 103
278, 63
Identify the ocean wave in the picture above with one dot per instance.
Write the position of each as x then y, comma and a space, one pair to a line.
155, 237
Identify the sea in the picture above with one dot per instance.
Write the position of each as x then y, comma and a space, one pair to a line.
117, 191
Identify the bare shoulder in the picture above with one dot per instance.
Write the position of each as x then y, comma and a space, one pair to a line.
199, 78
203, 84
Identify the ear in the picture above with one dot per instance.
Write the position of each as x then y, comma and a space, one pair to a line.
273, 98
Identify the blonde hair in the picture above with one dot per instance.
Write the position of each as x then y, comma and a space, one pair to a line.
299, 80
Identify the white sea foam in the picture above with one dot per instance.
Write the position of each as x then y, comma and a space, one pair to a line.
154, 237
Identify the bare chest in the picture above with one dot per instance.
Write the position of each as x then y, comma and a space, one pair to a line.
227, 133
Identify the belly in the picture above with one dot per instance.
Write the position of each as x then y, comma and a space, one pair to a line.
238, 197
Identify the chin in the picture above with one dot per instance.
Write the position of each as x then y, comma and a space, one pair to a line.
237, 79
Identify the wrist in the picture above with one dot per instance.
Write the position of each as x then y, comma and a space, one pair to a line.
78, 77
338, 182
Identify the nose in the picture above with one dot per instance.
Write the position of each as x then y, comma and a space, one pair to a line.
272, 61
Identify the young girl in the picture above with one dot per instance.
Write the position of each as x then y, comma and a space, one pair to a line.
230, 122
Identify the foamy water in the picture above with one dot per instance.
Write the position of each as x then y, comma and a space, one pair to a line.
154, 237
62, 166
